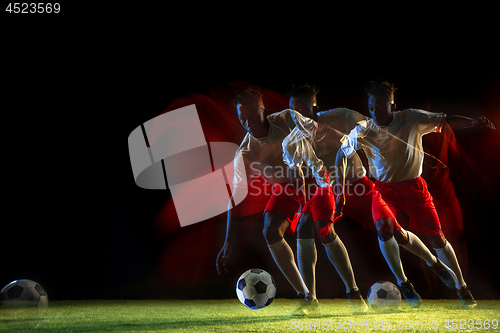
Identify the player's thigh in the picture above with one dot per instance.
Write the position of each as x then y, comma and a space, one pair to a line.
275, 224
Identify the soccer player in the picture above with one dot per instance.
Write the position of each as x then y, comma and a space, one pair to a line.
393, 143
323, 138
260, 154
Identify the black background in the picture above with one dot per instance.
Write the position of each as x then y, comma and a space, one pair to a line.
76, 86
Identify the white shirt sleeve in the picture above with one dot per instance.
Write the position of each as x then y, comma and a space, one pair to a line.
306, 125
428, 122
297, 149
350, 143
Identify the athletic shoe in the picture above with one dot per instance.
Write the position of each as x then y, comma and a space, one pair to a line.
357, 302
411, 296
306, 308
466, 298
444, 273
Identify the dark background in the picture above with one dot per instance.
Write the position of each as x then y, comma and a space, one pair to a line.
74, 89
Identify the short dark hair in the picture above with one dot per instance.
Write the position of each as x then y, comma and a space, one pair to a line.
304, 89
378, 88
251, 94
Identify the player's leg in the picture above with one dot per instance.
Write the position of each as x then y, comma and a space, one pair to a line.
389, 247
445, 252
384, 214
339, 257
410, 242
321, 208
275, 226
424, 213
307, 258
337, 254
390, 250
307, 255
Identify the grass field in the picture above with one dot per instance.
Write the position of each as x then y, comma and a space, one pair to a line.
231, 316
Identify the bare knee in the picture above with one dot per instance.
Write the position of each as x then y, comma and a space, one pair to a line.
274, 227
305, 227
385, 228
330, 236
437, 242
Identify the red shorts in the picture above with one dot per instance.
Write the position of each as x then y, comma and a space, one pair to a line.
358, 202
283, 201
413, 198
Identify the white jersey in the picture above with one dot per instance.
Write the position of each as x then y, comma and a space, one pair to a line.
263, 156
317, 143
395, 152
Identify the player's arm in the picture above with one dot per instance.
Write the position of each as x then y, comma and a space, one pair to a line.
241, 171
233, 223
347, 149
459, 122
293, 154
339, 188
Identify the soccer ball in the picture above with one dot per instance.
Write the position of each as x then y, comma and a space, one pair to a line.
24, 293
256, 288
384, 294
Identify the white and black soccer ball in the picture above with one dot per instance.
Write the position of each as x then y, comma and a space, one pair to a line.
24, 293
384, 294
256, 288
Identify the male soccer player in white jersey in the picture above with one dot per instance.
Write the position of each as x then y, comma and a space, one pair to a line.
317, 143
316, 217
394, 142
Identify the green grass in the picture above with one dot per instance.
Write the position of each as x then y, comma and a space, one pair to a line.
231, 316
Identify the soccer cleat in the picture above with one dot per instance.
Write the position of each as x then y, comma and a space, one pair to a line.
466, 298
411, 296
306, 308
357, 302
444, 273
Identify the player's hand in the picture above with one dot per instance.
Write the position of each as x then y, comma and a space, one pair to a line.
482, 122
222, 258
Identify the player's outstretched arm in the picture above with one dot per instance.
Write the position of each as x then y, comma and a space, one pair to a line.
458, 122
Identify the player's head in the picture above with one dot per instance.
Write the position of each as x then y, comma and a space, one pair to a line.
381, 101
251, 112
303, 99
